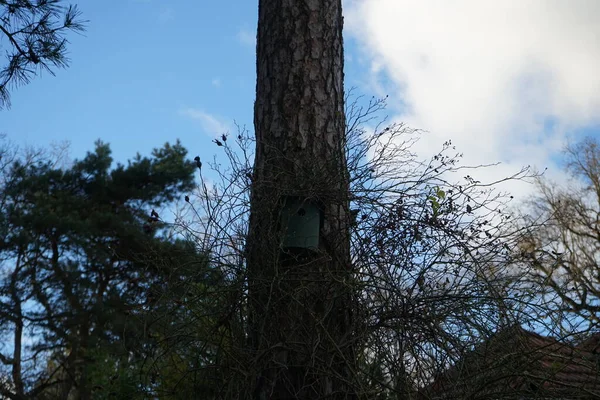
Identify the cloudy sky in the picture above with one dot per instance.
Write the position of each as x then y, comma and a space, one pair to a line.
507, 81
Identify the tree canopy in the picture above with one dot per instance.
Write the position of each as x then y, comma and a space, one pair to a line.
85, 264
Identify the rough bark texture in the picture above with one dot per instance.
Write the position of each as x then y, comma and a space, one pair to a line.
300, 302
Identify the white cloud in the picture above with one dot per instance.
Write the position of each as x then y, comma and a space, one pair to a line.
210, 124
490, 75
216, 82
247, 38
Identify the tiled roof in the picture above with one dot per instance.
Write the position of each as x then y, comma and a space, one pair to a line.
518, 364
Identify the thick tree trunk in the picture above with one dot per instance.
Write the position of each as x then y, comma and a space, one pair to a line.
300, 302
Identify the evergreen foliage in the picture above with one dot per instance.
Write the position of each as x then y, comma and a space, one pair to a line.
85, 265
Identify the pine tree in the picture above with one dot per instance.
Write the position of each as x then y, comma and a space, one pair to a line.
300, 300
85, 268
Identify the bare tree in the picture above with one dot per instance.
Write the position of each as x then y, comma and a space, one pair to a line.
33, 35
564, 249
431, 255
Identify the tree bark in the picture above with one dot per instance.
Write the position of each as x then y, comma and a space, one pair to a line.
300, 300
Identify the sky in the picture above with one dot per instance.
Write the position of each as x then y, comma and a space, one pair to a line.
506, 81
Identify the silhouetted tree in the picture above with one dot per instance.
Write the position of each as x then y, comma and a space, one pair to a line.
32, 33
84, 269
563, 247
432, 277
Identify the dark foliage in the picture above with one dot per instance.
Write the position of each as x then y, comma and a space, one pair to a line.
85, 264
33, 34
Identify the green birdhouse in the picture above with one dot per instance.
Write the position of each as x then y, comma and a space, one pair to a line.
301, 221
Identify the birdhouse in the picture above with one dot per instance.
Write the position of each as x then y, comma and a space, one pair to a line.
301, 222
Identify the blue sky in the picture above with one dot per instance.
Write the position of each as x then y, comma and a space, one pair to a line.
506, 81
137, 66
146, 72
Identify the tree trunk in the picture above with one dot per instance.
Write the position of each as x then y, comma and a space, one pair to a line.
17, 302
300, 299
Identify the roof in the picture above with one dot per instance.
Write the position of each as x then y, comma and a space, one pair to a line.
516, 363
